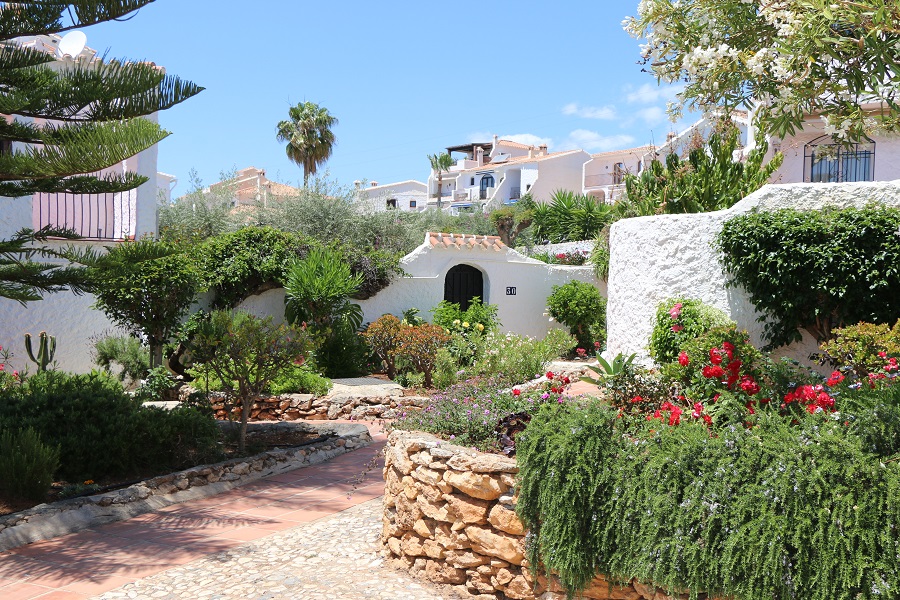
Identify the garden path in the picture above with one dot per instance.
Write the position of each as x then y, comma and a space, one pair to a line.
291, 535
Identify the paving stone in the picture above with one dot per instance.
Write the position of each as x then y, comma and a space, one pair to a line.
334, 557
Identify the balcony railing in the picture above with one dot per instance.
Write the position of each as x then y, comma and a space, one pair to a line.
92, 216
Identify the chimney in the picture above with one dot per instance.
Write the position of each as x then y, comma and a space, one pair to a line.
374, 184
357, 184
530, 151
479, 156
542, 150
495, 141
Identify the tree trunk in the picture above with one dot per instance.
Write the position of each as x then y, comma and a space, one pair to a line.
245, 416
440, 189
391, 369
427, 382
156, 354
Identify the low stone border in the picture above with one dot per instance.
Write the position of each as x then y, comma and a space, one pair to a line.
47, 521
449, 517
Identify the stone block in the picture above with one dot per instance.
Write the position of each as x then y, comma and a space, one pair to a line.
477, 485
412, 545
466, 509
434, 510
505, 520
504, 547
462, 559
439, 572
426, 475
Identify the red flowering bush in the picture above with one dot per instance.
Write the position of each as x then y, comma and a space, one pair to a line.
383, 336
679, 320
861, 348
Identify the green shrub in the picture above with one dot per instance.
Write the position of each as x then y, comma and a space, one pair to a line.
581, 308
156, 386
101, 431
515, 359
776, 512
419, 347
816, 270
125, 351
679, 320
27, 465
569, 217
860, 347
446, 370
450, 316
299, 380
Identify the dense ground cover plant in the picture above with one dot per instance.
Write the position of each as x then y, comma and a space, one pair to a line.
246, 353
515, 359
781, 511
848, 260
27, 465
466, 328
580, 307
103, 432
679, 320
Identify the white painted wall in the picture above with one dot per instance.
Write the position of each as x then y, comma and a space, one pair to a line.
375, 198
559, 173
523, 313
887, 156
656, 258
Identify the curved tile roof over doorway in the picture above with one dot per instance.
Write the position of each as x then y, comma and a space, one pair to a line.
461, 240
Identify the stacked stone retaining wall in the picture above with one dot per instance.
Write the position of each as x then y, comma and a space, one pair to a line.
449, 516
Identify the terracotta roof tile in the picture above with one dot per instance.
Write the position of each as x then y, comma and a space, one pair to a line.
460, 240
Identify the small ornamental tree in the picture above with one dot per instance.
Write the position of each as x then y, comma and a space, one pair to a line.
581, 308
145, 287
420, 345
383, 336
246, 353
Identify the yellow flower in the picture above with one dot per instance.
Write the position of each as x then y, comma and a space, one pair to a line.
89, 482
456, 322
479, 327
465, 324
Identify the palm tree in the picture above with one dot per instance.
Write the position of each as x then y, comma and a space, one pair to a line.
309, 137
440, 164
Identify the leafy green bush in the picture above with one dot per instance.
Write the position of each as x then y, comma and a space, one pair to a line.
515, 359
125, 351
299, 380
679, 320
450, 316
382, 335
569, 217
581, 308
419, 346
27, 465
778, 511
863, 347
101, 431
816, 270
156, 386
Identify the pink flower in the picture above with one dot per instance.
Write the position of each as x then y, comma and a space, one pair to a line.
683, 359
676, 328
596, 345
675, 311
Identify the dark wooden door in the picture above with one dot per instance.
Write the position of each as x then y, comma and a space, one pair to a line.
462, 284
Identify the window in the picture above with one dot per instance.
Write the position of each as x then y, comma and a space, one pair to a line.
471, 181
827, 162
412, 203
618, 173
392, 203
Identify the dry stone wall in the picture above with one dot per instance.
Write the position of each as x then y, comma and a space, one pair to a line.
449, 517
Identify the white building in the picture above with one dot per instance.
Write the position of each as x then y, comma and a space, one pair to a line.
101, 220
409, 195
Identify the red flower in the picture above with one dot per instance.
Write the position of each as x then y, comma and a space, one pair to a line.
735, 366
675, 416
549, 374
836, 378
698, 410
713, 371
715, 356
637, 399
729, 349
683, 359
676, 328
707, 419
749, 385
892, 364
882, 354
596, 345
517, 392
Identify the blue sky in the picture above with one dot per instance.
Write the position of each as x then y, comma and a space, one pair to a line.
404, 79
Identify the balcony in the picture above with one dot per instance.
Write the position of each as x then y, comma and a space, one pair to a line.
91, 216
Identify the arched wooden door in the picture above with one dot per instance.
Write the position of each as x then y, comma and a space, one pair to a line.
462, 284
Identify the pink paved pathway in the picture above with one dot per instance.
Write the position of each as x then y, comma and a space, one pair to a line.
80, 565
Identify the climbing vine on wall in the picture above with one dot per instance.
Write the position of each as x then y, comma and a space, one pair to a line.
815, 270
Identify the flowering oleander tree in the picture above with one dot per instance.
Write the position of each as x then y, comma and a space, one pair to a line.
789, 58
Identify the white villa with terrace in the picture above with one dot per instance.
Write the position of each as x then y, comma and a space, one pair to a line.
492, 174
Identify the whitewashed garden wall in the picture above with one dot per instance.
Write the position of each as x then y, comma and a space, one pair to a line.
660, 257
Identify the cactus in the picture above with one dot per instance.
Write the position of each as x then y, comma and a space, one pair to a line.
46, 349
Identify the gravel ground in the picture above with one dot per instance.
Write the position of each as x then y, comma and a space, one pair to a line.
336, 557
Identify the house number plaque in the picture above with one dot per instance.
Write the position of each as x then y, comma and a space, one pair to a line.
510, 291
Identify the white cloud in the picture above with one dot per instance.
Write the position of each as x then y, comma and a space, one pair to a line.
592, 141
590, 112
653, 115
649, 93
480, 137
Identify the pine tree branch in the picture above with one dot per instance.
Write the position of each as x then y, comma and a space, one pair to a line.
39, 17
